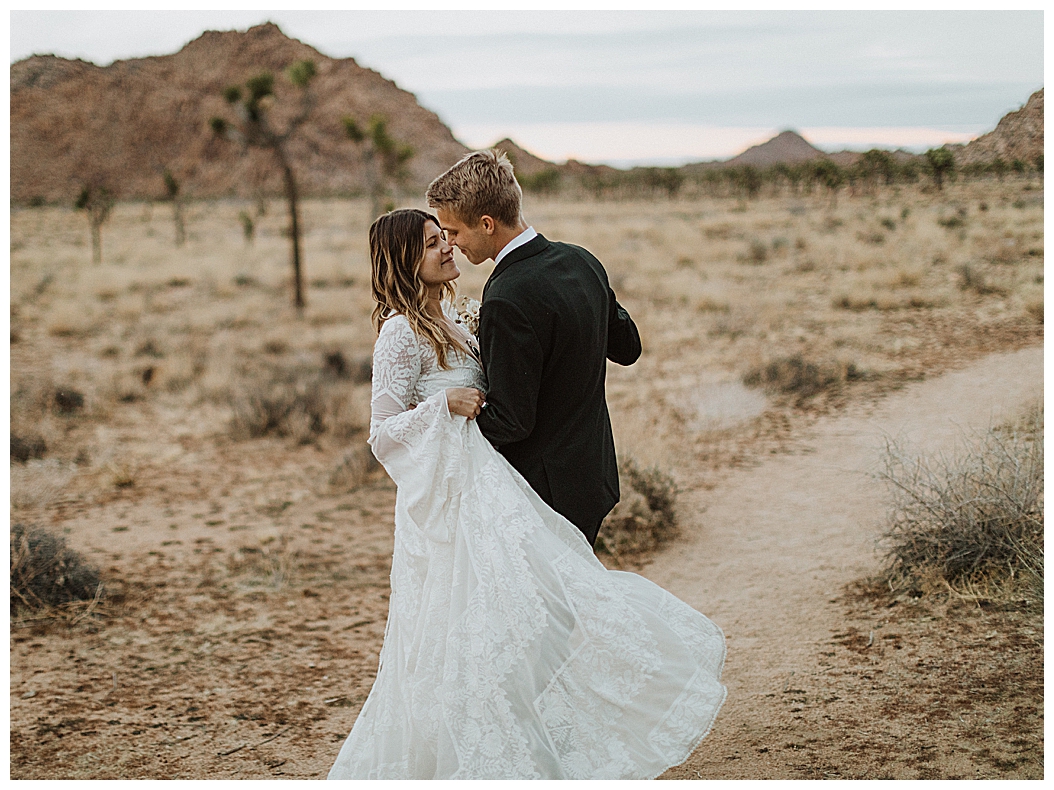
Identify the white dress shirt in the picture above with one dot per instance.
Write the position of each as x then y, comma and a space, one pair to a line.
519, 241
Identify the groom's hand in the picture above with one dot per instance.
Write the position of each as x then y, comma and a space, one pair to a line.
465, 401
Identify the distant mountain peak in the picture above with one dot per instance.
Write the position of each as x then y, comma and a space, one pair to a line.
523, 161
787, 147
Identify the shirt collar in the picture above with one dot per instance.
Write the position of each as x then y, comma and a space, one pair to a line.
519, 241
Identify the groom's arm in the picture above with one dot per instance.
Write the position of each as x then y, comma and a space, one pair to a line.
624, 346
512, 359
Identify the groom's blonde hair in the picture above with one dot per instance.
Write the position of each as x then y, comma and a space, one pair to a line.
481, 183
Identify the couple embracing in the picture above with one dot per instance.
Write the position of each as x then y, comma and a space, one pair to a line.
510, 651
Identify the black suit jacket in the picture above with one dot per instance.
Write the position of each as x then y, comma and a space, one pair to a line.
548, 322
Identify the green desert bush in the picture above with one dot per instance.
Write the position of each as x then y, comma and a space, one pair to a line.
973, 521
645, 517
45, 572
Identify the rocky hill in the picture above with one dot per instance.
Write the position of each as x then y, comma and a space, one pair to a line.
125, 123
1018, 135
525, 163
787, 147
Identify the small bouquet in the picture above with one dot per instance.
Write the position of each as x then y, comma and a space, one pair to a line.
468, 314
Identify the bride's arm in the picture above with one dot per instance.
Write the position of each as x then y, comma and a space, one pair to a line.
420, 447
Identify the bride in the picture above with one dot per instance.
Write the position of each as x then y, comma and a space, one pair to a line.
510, 651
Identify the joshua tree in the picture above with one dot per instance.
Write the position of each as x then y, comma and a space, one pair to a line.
384, 156
876, 164
253, 128
97, 201
172, 194
940, 162
779, 174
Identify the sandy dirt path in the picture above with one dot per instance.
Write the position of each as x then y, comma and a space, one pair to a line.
767, 553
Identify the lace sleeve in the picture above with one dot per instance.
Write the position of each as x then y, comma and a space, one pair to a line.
396, 369
419, 444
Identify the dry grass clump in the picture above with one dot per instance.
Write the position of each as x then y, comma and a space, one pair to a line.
644, 518
45, 572
269, 564
794, 375
973, 523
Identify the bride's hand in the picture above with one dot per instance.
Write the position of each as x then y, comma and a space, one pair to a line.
466, 401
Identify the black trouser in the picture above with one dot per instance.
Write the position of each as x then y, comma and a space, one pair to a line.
591, 531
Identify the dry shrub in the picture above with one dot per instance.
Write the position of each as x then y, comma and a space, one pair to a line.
301, 403
30, 445
354, 469
757, 253
855, 300
974, 521
358, 370
796, 376
972, 279
180, 370
1034, 307
71, 320
68, 401
710, 304
121, 473
905, 278
280, 407
644, 518
45, 572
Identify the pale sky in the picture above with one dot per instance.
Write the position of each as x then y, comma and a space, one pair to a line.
630, 86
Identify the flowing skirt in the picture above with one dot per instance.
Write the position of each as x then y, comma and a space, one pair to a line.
510, 651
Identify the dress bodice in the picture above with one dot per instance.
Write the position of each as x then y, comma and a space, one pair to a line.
406, 371
464, 371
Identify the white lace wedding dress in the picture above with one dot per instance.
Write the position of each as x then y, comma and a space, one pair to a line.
510, 651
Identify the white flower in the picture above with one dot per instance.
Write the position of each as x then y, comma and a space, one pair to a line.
468, 313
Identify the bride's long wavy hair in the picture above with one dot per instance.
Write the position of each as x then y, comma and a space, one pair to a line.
397, 249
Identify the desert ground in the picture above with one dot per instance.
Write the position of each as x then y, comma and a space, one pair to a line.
245, 559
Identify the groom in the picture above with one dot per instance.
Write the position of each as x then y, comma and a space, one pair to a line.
548, 322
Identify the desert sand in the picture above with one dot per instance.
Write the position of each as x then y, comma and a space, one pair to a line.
246, 577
